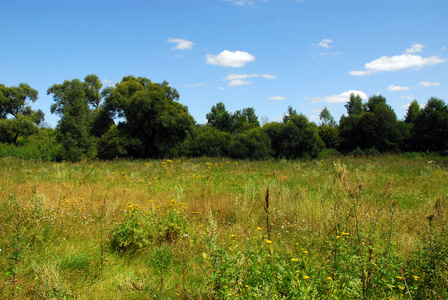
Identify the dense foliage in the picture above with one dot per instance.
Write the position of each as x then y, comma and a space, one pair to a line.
138, 118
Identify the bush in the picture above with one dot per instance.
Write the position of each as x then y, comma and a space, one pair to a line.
251, 144
208, 141
140, 228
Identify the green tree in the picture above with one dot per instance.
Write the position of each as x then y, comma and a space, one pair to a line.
326, 118
300, 138
330, 136
251, 144
149, 116
274, 131
431, 127
76, 118
207, 141
413, 112
220, 118
289, 113
354, 105
373, 125
245, 119
17, 118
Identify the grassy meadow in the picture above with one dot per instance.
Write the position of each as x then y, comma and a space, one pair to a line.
205, 228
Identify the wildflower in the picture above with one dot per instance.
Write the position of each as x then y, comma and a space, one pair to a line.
401, 287
345, 233
416, 277
268, 242
399, 277
259, 228
306, 277
233, 236
305, 252
329, 278
294, 260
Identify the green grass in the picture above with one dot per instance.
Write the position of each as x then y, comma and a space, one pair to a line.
340, 228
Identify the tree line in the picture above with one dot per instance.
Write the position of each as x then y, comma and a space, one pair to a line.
138, 118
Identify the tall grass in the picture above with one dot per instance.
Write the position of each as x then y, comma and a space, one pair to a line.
337, 228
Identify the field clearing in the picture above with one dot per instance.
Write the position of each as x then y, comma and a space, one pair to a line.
206, 228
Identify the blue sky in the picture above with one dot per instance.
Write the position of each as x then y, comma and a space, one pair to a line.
265, 54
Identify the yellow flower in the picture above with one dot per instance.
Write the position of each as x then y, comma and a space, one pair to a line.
399, 277
233, 236
306, 277
268, 242
294, 260
259, 228
305, 252
329, 278
345, 233
416, 277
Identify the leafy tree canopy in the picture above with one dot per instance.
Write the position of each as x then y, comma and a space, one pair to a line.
149, 114
16, 116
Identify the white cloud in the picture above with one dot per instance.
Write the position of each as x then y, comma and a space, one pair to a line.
108, 82
239, 79
415, 48
182, 44
244, 2
277, 98
341, 98
407, 97
428, 84
395, 88
239, 82
228, 58
399, 62
325, 43
360, 73
195, 84
244, 76
268, 76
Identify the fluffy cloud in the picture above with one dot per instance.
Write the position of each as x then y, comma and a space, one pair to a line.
415, 48
277, 98
195, 84
325, 43
244, 2
228, 58
341, 98
108, 82
399, 62
239, 82
182, 44
245, 76
428, 84
239, 79
395, 88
